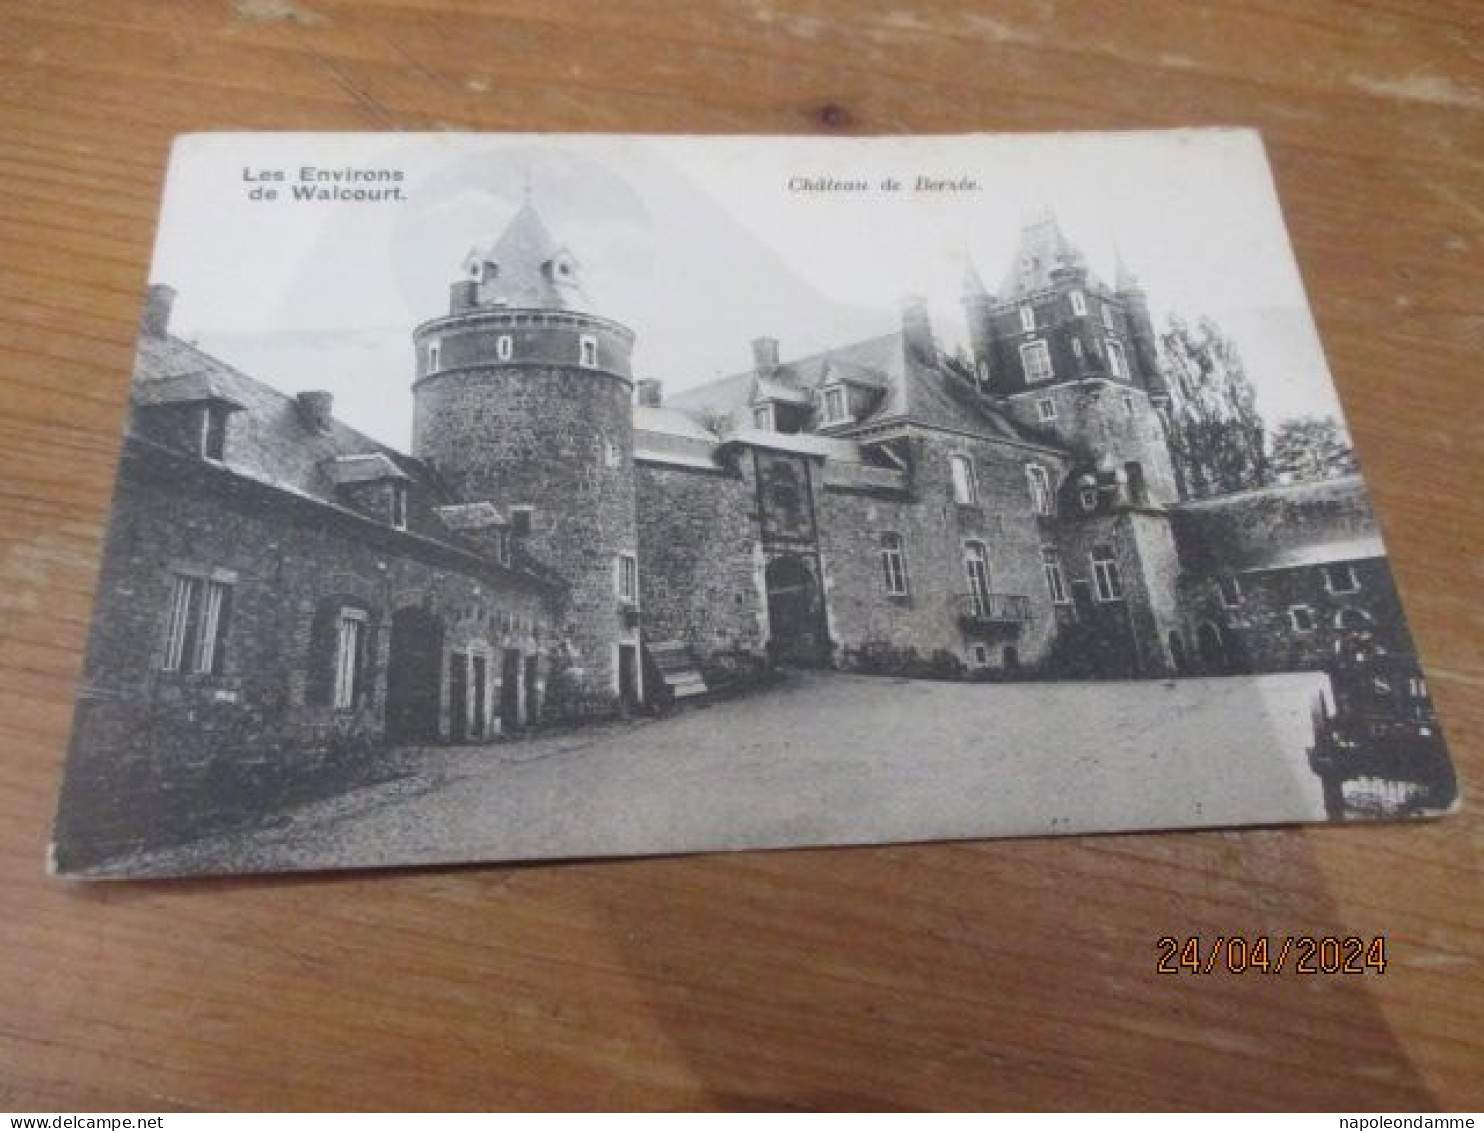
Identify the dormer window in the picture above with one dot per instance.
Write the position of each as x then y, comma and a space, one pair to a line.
1027, 318
1079, 303
588, 351
399, 504
213, 431
834, 405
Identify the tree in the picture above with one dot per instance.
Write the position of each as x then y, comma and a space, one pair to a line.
1218, 441
1308, 448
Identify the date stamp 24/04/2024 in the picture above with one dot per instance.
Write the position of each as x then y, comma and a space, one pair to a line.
1298, 954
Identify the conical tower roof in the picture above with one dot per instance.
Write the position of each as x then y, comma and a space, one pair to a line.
526, 267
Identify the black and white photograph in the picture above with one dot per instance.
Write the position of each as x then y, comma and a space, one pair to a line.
508, 497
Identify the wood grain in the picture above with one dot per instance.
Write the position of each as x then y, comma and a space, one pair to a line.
990, 974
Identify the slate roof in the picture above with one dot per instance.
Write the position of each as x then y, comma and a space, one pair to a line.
528, 265
912, 389
1282, 527
271, 442
186, 388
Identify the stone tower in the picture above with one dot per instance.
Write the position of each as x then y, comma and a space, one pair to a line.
1075, 360
523, 397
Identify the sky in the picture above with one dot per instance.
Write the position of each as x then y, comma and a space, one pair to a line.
702, 244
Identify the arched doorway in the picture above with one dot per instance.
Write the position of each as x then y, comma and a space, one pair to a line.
1178, 657
414, 676
1213, 651
795, 612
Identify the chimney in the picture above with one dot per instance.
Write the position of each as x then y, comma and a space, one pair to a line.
158, 301
917, 328
651, 392
463, 295
764, 356
315, 409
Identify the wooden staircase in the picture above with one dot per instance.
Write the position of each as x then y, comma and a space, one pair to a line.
676, 668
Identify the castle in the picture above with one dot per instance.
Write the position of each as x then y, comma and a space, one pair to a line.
275, 581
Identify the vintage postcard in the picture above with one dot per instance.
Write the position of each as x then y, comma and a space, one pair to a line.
506, 497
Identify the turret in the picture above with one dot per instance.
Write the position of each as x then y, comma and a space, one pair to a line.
1141, 332
523, 398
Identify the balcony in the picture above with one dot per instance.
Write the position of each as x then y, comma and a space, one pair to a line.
979, 612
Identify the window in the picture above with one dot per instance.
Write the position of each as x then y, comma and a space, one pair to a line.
504, 347
834, 405
1353, 620
588, 355
628, 578
350, 648
1027, 318
612, 456
196, 636
1079, 303
520, 519
762, 416
980, 652
1077, 348
1231, 591
1128, 405
1301, 617
1108, 316
1341, 579
1046, 410
1056, 582
1040, 484
501, 540
1105, 577
399, 504
965, 491
1117, 362
893, 565
213, 431
981, 372
1035, 357
976, 566
435, 350
1088, 496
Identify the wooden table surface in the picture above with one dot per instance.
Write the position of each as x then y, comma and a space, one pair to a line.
987, 974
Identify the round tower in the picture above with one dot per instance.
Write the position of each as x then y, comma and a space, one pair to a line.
523, 397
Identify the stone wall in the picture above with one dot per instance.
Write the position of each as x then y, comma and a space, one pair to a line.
147, 737
935, 529
700, 566
560, 441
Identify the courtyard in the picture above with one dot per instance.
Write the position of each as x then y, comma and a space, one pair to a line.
818, 758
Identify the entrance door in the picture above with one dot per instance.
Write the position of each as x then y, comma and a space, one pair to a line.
458, 696
533, 693
480, 679
1177, 654
1213, 652
413, 675
628, 676
795, 612
510, 691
